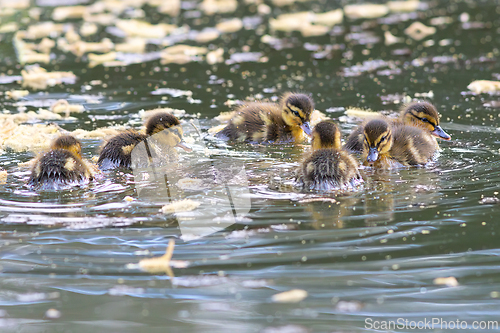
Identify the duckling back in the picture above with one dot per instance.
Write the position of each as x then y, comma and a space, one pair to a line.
118, 150
330, 169
58, 168
412, 145
271, 123
354, 142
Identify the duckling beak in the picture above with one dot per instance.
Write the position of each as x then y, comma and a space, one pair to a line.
372, 155
306, 127
184, 146
438, 131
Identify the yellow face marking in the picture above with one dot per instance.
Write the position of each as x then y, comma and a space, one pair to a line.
76, 150
421, 119
70, 164
382, 142
316, 141
296, 109
337, 143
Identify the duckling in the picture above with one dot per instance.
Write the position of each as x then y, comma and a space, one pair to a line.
260, 122
328, 167
61, 165
419, 114
118, 150
386, 145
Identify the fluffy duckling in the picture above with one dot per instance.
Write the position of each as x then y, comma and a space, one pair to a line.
118, 150
328, 167
260, 122
386, 145
419, 114
62, 165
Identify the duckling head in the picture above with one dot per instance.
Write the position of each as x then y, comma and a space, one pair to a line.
297, 109
325, 135
378, 139
69, 143
167, 128
424, 115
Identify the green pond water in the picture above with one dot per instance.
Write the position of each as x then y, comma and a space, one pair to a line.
373, 255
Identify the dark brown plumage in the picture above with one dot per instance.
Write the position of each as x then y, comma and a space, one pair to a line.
162, 126
328, 168
259, 122
61, 166
117, 151
387, 145
422, 115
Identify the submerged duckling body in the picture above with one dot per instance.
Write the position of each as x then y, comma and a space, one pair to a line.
62, 165
259, 122
165, 127
328, 167
386, 145
422, 115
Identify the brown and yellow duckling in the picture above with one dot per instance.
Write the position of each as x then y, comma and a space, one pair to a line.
328, 167
62, 165
386, 145
260, 122
166, 129
419, 114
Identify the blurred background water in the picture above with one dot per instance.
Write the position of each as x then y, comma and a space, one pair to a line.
373, 254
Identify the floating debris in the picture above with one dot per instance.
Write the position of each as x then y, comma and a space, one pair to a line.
365, 11
52, 314
489, 201
419, 31
391, 39
239, 57
484, 86
211, 7
161, 264
88, 29
308, 23
230, 26
63, 106
182, 54
45, 29
3, 176
9, 27
185, 205
136, 28
349, 306
215, 57
68, 12
403, 6
128, 198
101, 59
447, 281
330, 18
16, 94
291, 296
207, 35
361, 113
39, 78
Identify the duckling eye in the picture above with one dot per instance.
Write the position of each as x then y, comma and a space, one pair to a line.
425, 120
296, 113
383, 138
